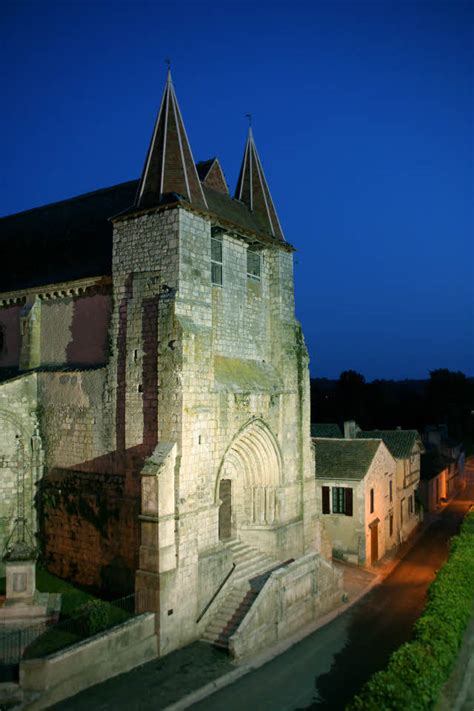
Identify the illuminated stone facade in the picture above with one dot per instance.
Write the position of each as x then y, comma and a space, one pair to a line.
172, 394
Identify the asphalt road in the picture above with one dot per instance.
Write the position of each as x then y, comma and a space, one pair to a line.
327, 668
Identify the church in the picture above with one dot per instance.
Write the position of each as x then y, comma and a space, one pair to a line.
154, 399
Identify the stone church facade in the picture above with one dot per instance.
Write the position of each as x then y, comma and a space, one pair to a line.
156, 389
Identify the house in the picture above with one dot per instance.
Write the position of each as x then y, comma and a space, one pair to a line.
356, 489
436, 438
406, 447
154, 403
435, 470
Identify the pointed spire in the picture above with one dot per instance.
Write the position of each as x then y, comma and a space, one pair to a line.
169, 167
252, 190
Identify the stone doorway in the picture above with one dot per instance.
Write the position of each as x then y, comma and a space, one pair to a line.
248, 482
225, 509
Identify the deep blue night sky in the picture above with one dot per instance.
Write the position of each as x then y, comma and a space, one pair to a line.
363, 117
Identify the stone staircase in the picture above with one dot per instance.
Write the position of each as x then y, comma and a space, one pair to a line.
252, 568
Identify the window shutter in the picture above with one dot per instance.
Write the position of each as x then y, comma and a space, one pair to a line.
348, 502
326, 509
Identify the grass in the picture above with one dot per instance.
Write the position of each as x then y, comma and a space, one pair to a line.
82, 615
72, 597
86, 621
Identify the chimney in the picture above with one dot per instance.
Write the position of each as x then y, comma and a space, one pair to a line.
351, 428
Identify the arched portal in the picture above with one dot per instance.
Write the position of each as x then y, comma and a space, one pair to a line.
248, 481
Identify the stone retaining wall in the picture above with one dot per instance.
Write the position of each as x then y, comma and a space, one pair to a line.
64, 674
292, 597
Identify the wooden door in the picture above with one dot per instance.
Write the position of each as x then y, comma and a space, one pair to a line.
374, 543
225, 509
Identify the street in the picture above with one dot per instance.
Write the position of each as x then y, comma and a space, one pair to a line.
327, 668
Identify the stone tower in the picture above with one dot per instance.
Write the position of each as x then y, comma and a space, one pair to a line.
204, 318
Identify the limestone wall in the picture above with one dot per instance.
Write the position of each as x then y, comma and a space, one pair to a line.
66, 673
346, 533
381, 472
226, 358
74, 417
21, 457
292, 598
74, 330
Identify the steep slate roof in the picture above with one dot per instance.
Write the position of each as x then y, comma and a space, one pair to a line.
325, 429
252, 189
72, 239
211, 175
62, 241
400, 443
169, 166
344, 458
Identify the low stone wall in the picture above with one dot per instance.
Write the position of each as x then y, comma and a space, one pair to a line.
292, 597
58, 676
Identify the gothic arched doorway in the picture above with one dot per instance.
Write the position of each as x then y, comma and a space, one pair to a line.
247, 490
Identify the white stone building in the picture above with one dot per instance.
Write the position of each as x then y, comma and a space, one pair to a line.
356, 489
169, 377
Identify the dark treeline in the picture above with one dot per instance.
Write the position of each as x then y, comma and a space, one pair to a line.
447, 397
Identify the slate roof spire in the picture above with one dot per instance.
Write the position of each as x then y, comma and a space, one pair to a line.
252, 190
169, 166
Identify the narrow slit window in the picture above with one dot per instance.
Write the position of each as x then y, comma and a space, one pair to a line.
216, 261
254, 264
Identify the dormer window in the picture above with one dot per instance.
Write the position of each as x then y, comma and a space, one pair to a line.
254, 264
216, 260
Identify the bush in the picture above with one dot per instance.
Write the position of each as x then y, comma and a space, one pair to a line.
418, 669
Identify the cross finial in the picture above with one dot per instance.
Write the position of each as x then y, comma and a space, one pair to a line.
249, 117
168, 62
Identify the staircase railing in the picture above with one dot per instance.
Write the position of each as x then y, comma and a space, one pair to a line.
208, 605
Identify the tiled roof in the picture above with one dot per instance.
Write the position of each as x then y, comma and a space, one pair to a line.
169, 166
211, 174
62, 241
344, 458
252, 189
400, 443
325, 429
72, 239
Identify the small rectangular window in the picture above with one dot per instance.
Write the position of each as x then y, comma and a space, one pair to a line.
391, 490
216, 261
254, 262
326, 507
391, 525
342, 500
371, 501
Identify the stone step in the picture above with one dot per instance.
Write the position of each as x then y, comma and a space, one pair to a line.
252, 571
